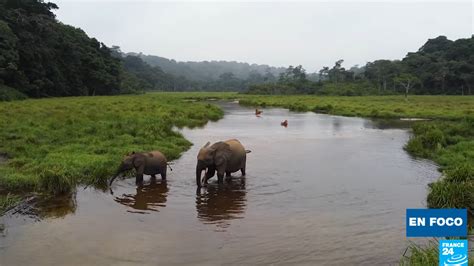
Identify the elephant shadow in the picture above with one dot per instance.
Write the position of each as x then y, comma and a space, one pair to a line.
149, 197
219, 204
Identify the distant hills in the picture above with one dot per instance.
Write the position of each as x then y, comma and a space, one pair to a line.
208, 70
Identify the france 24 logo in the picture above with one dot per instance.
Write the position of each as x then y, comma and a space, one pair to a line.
453, 252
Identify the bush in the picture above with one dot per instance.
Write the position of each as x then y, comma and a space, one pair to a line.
10, 94
298, 107
427, 139
323, 109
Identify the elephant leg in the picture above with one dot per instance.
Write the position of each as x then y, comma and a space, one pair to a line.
221, 170
163, 174
220, 177
139, 179
227, 174
243, 171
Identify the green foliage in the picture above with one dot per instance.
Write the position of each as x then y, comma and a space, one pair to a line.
428, 138
422, 256
441, 66
10, 94
356, 88
450, 144
451, 194
53, 144
212, 70
429, 107
42, 57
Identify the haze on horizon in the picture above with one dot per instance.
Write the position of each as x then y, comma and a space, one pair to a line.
313, 34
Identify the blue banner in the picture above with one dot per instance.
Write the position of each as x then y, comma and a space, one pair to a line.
436, 222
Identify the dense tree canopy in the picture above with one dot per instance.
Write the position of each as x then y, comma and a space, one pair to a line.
440, 66
41, 57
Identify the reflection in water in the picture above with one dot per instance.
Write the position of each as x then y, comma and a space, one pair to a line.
46, 207
336, 124
148, 197
218, 204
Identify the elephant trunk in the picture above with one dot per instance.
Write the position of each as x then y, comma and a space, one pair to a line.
117, 173
199, 168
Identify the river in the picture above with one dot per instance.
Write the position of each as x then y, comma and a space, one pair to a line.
326, 190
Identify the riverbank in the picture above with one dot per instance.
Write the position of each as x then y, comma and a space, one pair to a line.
50, 145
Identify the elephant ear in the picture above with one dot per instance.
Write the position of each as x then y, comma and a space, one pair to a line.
222, 152
138, 160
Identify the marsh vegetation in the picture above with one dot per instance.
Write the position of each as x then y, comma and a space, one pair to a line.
54, 144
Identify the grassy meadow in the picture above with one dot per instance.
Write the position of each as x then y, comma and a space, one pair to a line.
430, 107
50, 145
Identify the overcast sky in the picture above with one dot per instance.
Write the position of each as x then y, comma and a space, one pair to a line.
313, 34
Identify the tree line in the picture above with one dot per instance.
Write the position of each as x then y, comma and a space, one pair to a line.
440, 66
42, 57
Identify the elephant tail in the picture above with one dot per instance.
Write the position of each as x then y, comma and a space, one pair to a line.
169, 165
248, 151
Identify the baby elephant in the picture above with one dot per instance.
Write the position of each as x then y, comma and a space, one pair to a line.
223, 157
149, 163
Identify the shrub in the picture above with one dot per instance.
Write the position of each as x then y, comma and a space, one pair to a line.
10, 94
323, 109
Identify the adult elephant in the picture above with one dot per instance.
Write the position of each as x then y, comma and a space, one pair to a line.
225, 157
149, 163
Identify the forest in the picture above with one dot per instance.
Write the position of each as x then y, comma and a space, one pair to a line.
440, 66
42, 57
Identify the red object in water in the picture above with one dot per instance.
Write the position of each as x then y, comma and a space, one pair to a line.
284, 123
258, 112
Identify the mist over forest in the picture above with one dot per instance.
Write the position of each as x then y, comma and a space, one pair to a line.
42, 57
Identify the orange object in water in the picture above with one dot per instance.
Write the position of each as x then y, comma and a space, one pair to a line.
284, 123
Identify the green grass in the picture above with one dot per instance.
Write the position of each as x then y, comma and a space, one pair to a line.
54, 144
431, 107
422, 256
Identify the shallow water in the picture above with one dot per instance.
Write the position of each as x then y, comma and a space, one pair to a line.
326, 190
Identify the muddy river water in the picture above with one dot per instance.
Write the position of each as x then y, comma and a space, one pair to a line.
326, 190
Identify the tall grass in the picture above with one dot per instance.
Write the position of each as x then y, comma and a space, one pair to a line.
53, 144
430, 107
421, 256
